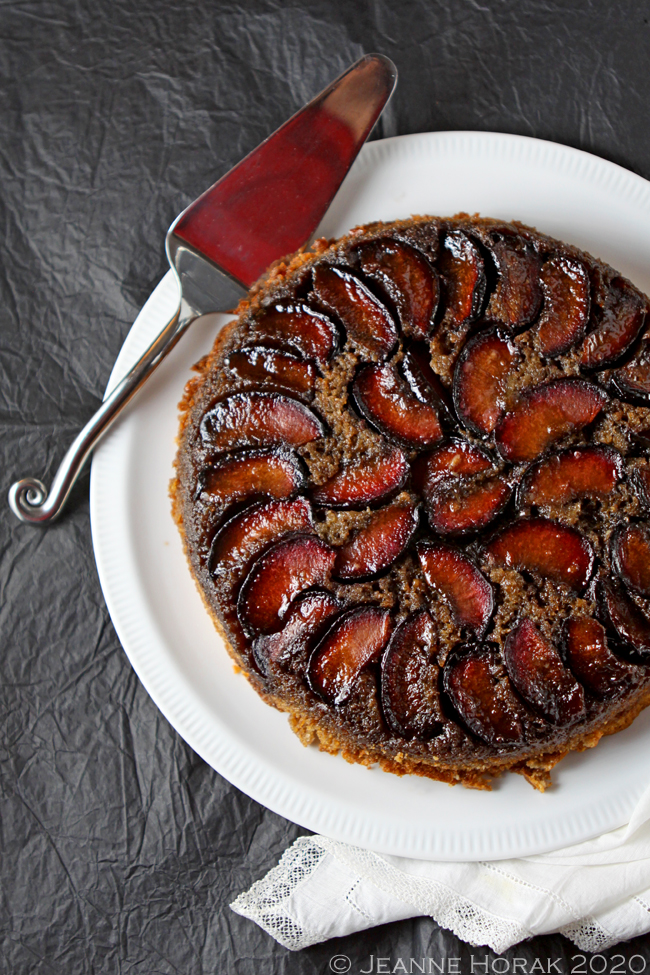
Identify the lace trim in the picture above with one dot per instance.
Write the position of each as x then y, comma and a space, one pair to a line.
266, 902
446, 906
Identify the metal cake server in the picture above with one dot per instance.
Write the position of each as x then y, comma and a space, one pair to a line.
268, 206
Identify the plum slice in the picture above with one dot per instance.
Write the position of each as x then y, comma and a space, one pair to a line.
630, 623
366, 320
517, 297
289, 648
536, 670
640, 478
480, 378
353, 641
631, 557
364, 483
386, 401
277, 576
546, 413
463, 279
298, 327
259, 420
583, 472
623, 315
632, 381
478, 687
376, 546
427, 386
409, 679
553, 551
269, 367
587, 653
407, 278
567, 300
247, 533
453, 511
455, 459
274, 472
460, 582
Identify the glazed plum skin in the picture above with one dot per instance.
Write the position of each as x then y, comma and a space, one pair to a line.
461, 584
480, 692
567, 303
258, 420
548, 548
364, 485
480, 378
409, 679
353, 642
395, 410
536, 670
631, 558
588, 654
545, 414
592, 471
282, 572
407, 442
408, 279
376, 546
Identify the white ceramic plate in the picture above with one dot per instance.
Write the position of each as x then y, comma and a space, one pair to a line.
159, 616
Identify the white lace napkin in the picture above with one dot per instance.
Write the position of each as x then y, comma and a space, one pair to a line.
596, 893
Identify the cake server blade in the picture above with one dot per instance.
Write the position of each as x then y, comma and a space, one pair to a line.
267, 206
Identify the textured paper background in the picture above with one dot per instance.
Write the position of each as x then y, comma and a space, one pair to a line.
120, 849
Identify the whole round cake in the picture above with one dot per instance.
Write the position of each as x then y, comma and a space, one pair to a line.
414, 491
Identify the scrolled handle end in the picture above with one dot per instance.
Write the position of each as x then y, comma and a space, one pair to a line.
28, 501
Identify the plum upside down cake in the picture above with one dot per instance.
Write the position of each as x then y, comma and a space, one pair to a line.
413, 486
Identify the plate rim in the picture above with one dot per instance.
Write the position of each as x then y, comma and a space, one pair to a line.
269, 793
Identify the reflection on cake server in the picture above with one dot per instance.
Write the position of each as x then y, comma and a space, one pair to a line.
268, 206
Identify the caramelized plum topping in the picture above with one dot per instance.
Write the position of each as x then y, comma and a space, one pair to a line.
588, 655
277, 576
536, 670
365, 483
387, 403
517, 298
640, 478
259, 420
455, 459
275, 473
631, 557
376, 546
630, 623
480, 380
366, 320
461, 584
409, 680
247, 533
407, 278
298, 327
545, 414
355, 640
478, 687
583, 472
623, 315
424, 382
452, 512
632, 382
567, 300
268, 367
463, 280
547, 548
289, 649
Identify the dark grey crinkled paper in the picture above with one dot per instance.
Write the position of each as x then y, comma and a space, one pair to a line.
120, 848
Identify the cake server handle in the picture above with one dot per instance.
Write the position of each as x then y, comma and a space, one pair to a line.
29, 499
